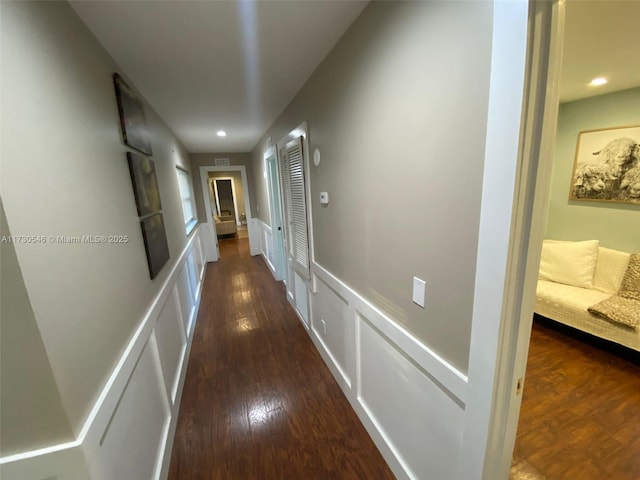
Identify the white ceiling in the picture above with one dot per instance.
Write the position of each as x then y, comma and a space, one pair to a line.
212, 65
602, 38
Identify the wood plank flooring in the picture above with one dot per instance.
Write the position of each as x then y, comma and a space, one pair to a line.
580, 415
258, 400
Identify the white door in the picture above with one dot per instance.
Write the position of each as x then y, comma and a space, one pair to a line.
277, 231
294, 199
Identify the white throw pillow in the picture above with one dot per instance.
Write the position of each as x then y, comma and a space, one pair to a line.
610, 269
571, 263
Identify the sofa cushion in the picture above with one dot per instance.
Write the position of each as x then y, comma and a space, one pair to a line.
630, 287
610, 269
571, 263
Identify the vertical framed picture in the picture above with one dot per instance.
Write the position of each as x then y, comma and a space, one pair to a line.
607, 166
145, 184
155, 242
133, 122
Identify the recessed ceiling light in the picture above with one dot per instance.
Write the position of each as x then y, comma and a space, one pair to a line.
596, 82
221, 133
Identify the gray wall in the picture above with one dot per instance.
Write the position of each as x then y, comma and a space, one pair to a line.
615, 225
237, 185
208, 160
64, 172
31, 412
398, 110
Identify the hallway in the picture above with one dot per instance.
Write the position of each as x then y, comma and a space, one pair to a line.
258, 400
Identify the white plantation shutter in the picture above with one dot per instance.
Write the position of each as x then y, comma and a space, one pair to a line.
295, 201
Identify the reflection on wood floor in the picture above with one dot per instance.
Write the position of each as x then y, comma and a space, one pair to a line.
258, 401
580, 411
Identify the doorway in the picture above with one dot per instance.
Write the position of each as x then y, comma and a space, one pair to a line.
224, 193
228, 208
567, 369
532, 202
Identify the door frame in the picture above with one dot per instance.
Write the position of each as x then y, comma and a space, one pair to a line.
214, 253
502, 317
274, 195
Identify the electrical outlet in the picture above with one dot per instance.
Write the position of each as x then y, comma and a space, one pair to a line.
324, 326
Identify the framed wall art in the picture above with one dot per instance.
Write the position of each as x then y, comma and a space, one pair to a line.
133, 122
607, 166
145, 184
155, 242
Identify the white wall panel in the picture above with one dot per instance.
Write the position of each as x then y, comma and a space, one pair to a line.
193, 273
330, 307
266, 244
421, 421
185, 297
171, 339
197, 251
408, 398
301, 298
137, 425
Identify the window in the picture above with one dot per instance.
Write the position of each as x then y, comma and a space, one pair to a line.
186, 194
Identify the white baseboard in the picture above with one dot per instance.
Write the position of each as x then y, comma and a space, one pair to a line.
409, 399
129, 431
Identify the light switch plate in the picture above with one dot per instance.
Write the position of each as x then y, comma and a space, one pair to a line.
324, 198
418, 291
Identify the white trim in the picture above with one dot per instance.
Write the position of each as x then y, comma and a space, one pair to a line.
518, 82
534, 182
86, 446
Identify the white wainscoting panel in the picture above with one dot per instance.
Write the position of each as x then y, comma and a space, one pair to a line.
184, 296
330, 325
138, 425
194, 278
409, 399
266, 244
129, 431
420, 420
172, 341
254, 240
301, 296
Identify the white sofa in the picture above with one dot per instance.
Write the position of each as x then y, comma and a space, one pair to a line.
577, 275
225, 224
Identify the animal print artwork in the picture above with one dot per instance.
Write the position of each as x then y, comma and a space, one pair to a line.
609, 173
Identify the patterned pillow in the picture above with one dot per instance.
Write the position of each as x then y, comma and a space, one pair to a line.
630, 287
624, 311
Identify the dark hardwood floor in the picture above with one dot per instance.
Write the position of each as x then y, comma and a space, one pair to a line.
580, 415
258, 401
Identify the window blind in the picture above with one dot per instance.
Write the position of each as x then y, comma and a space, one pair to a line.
295, 200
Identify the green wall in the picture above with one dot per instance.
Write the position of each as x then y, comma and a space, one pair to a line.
615, 225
